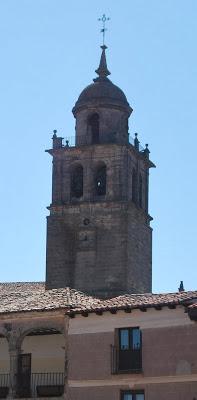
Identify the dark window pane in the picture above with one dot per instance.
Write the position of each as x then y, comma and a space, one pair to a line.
132, 396
100, 181
134, 186
93, 124
136, 338
129, 356
128, 396
124, 339
140, 191
77, 182
139, 397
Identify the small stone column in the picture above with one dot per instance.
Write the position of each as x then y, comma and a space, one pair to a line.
14, 351
66, 387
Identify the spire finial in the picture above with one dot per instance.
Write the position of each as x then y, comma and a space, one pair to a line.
102, 70
103, 19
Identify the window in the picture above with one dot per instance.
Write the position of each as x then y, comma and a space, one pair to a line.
100, 181
129, 352
93, 125
77, 182
140, 191
134, 186
129, 339
130, 395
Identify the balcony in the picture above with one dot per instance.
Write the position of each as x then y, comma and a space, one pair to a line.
71, 142
36, 369
126, 361
4, 385
49, 384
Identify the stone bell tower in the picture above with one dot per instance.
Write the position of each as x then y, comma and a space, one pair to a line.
98, 233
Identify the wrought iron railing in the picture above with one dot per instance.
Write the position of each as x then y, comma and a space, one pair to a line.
125, 361
71, 142
4, 385
4, 380
132, 141
49, 384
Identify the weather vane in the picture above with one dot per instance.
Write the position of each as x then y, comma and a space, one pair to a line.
103, 19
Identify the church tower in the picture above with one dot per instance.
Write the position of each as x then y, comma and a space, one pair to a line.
98, 230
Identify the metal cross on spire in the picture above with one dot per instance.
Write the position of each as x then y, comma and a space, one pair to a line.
103, 19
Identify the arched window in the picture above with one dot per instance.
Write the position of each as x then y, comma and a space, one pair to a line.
134, 186
77, 182
93, 125
140, 191
100, 181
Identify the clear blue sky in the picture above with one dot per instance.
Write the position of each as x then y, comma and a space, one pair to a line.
49, 51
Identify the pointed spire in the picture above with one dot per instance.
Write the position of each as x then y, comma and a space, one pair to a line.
102, 70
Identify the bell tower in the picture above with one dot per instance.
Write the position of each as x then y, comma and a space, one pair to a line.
98, 230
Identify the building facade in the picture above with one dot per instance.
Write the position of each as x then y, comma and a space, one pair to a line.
142, 355
62, 343
94, 330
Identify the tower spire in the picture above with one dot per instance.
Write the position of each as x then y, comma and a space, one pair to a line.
102, 71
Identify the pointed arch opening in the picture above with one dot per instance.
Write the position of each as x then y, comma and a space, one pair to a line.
140, 190
93, 127
77, 181
100, 180
134, 186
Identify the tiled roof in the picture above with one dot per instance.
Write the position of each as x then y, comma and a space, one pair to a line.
141, 301
193, 306
192, 311
32, 296
20, 297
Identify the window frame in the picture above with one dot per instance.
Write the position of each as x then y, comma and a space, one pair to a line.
128, 360
134, 186
132, 392
73, 179
99, 175
140, 191
93, 122
129, 329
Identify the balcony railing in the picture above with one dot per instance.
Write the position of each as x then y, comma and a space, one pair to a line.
71, 142
125, 361
49, 384
4, 385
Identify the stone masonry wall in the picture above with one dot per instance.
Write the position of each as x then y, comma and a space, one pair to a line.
99, 245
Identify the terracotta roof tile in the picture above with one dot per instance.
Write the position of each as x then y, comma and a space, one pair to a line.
27, 296
32, 296
132, 301
193, 306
